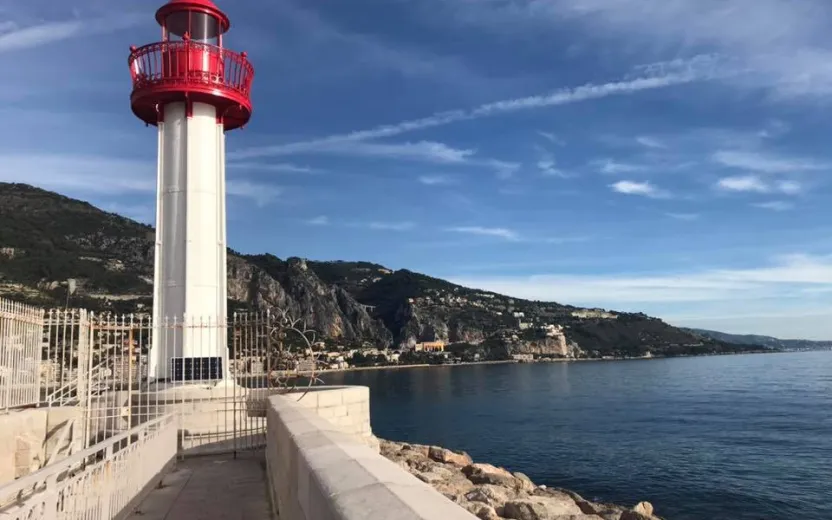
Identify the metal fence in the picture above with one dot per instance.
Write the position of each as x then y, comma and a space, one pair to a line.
213, 374
98, 483
121, 371
21, 328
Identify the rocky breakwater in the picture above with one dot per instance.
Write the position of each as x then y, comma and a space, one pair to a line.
493, 493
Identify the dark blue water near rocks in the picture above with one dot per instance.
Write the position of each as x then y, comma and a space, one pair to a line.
710, 438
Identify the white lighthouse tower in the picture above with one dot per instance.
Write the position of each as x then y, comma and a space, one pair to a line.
194, 90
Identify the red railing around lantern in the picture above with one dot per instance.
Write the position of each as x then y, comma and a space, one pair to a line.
164, 68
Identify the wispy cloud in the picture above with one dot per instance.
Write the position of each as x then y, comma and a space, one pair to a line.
688, 217
548, 167
787, 276
81, 175
765, 163
552, 138
423, 151
436, 180
504, 233
694, 70
753, 183
270, 167
780, 45
650, 142
261, 194
612, 167
14, 37
644, 189
320, 220
391, 226
744, 183
775, 205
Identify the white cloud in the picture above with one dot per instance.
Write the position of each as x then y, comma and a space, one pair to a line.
644, 189
744, 183
789, 187
320, 220
79, 174
261, 194
687, 72
552, 138
650, 142
548, 167
786, 277
273, 167
503, 233
775, 205
423, 151
684, 216
778, 44
85, 175
391, 226
765, 163
753, 183
13, 37
436, 180
612, 167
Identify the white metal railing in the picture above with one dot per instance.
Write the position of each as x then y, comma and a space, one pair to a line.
21, 329
98, 483
122, 370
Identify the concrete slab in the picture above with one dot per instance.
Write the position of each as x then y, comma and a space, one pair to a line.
207, 488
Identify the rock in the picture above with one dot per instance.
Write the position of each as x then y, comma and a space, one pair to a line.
490, 494
488, 474
644, 508
434, 474
577, 517
416, 448
493, 493
449, 457
633, 515
525, 510
389, 448
560, 505
524, 482
486, 513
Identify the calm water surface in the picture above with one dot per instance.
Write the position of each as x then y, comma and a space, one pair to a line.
716, 438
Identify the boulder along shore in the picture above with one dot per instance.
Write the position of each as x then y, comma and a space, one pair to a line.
493, 493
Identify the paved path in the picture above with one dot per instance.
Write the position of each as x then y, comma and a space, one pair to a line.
209, 488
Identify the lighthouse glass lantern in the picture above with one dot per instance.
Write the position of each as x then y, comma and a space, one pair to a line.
194, 91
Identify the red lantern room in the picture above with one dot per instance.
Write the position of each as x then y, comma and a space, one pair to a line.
191, 65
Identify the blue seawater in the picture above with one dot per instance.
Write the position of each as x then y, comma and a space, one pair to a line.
709, 438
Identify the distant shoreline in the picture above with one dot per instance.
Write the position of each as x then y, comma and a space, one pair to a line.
536, 362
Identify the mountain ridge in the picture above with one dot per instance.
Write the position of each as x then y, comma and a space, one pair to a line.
764, 341
47, 239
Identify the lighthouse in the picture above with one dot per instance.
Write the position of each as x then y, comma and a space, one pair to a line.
193, 90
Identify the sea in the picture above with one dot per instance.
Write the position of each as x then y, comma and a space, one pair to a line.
745, 437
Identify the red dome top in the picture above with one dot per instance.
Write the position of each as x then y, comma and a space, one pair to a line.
201, 6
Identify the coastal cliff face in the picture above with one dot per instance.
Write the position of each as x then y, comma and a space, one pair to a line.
493, 493
47, 239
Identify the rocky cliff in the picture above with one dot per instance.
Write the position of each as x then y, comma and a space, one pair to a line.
55, 250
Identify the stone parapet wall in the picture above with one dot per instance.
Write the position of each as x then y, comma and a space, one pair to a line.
347, 407
319, 471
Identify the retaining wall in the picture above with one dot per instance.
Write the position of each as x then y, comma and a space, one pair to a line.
323, 468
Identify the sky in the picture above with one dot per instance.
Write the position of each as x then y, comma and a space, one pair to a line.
662, 156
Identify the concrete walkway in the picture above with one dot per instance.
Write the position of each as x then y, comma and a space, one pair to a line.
208, 488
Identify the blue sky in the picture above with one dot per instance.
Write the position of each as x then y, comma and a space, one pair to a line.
665, 156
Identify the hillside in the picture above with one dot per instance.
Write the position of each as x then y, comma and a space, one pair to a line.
764, 341
47, 239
